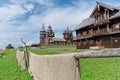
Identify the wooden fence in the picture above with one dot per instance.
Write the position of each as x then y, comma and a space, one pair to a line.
60, 67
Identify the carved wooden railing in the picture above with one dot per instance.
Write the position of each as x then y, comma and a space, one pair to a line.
100, 32
101, 21
103, 31
115, 30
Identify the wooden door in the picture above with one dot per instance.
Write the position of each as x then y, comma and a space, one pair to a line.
98, 42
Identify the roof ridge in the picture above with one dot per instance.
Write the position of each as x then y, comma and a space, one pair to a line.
106, 5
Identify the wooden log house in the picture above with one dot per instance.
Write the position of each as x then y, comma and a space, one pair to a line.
102, 28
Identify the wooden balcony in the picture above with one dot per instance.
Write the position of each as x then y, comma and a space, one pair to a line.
83, 37
95, 32
101, 22
103, 31
99, 32
86, 36
75, 38
113, 31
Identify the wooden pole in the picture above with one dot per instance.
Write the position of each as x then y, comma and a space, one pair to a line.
99, 54
26, 53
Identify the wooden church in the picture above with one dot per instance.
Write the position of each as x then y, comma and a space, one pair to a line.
47, 37
102, 28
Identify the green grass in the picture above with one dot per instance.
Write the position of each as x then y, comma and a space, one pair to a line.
91, 68
43, 52
2, 54
54, 50
100, 69
61, 48
9, 69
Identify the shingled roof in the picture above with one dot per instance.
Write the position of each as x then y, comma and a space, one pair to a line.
115, 15
110, 7
106, 6
57, 39
85, 23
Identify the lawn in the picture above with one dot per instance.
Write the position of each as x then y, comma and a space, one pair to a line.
54, 50
91, 68
9, 69
100, 69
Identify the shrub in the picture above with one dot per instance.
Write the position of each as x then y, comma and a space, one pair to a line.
9, 46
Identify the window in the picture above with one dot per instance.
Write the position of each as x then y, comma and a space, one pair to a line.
84, 33
91, 42
79, 35
116, 41
84, 43
116, 26
79, 43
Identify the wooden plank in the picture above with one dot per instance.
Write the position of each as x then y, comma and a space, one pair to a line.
99, 54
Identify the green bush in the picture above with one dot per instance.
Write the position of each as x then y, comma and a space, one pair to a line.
9, 46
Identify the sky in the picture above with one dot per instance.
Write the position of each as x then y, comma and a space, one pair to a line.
24, 18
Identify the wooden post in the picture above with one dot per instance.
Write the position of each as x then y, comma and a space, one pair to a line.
98, 32
79, 68
108, 29
99, 54
91, 32
111, 42
26, 54
107, 14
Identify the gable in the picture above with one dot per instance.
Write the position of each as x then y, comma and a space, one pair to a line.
100, 6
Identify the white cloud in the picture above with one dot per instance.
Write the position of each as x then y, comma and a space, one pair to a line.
18, 2
10, 11
62, 17
29, 7
47, 3
7, 30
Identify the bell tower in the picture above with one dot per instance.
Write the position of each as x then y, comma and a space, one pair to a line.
49, 34
67, 35
42, 35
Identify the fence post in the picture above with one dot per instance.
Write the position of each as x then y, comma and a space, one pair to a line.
26, 54
79, 66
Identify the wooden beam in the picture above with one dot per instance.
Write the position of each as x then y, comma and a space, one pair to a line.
26, 53
99, 54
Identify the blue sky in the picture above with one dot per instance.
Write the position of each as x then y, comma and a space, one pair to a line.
23, 18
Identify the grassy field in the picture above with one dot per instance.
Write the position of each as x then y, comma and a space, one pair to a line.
9, 69
100, 69
54, 50
91, 68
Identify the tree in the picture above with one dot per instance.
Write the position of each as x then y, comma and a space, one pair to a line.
9, 46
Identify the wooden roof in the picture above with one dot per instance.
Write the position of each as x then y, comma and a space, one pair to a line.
57, 39
117, 15
85, 23
110, 7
